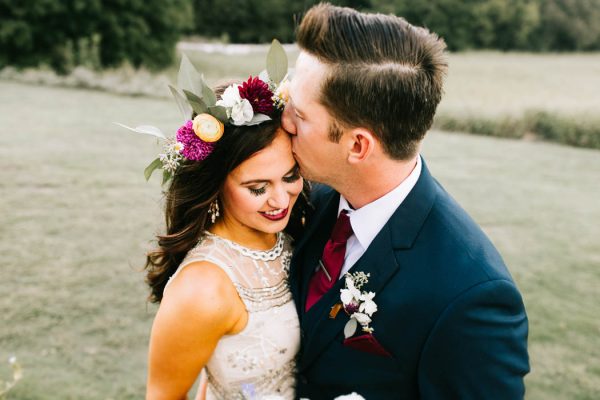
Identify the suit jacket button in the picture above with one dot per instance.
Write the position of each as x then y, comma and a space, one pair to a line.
301, 333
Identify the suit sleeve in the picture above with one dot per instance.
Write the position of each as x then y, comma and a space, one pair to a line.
478, 347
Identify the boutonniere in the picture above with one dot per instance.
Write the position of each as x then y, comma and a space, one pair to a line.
359, 305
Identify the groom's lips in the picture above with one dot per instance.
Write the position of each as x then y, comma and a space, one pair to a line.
275, 217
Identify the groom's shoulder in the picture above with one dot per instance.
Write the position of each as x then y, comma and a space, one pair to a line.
456, 237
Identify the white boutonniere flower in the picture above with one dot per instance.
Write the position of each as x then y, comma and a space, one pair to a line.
357, 304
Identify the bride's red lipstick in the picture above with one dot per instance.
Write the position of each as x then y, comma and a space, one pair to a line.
275, 217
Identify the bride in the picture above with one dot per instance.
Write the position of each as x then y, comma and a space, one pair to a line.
220, 271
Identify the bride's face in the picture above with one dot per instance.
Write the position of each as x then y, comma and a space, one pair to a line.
260, 193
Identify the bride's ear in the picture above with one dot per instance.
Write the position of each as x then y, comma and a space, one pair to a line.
361, 143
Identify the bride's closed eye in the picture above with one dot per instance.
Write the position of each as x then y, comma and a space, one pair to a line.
293, 176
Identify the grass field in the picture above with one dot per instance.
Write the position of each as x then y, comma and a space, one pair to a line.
77, 217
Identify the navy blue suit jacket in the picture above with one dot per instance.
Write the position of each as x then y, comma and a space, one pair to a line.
449, 312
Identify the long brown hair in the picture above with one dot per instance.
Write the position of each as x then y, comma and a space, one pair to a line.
194, 187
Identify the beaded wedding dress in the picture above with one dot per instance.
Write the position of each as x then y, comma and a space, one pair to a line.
259, 361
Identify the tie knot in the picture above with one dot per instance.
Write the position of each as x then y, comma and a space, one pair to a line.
342, 229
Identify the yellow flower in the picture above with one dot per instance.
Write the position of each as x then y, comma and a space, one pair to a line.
207, 127
283, 91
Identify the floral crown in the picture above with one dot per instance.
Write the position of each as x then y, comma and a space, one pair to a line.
254, 101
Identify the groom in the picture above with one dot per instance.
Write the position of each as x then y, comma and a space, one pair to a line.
446, 320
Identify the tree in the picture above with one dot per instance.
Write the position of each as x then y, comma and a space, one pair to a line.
63, 33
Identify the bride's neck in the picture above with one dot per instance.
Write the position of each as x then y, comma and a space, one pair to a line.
243, 235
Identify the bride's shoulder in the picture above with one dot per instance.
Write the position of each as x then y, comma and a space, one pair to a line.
202, 288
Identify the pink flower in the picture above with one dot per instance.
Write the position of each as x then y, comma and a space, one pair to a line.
194, 148
258, 94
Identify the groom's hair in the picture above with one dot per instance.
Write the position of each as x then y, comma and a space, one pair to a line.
384, 74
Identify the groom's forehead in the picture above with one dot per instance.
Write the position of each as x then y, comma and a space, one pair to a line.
306, 79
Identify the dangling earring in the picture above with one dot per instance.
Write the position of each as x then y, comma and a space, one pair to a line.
213, 210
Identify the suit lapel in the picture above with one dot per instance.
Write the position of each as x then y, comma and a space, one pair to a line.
378, 261
400, 232
308, 250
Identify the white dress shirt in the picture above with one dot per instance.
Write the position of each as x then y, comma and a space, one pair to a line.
368, 220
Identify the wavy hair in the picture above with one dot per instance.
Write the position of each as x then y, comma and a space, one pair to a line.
194, 187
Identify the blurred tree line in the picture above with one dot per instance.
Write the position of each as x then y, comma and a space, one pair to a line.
95, 33
105, 33
533, 25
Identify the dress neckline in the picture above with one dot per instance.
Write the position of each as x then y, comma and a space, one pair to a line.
262, 255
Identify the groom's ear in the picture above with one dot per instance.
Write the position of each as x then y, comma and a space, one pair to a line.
361, 143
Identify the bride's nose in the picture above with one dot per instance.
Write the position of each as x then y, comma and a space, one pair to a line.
279, 198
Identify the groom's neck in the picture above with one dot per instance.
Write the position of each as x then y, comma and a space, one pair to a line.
367, 183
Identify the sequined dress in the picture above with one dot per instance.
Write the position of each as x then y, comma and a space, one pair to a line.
259, 361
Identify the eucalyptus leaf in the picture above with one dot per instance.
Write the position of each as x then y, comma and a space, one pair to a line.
188, 77
257, 119
208, 95
153, 166
350, 328
198, 105
182, 103
219, 112
145, 129
277, 62
166, 176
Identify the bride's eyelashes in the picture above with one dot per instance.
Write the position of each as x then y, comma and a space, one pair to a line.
258, 191
291, 178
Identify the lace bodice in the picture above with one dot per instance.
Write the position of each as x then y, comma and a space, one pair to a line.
259, 361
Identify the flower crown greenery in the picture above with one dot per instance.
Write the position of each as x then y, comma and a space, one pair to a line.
249, 103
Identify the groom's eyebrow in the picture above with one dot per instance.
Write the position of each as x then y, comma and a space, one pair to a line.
267, 180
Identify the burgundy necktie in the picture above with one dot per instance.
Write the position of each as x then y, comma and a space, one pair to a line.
332, 260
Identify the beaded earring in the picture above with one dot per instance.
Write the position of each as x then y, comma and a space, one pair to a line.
213, 210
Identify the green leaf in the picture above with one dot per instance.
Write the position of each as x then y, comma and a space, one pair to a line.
188, 77
257, 119
184, 106
166, 176
277, 62
219, 112
153, 166
208, 95
145, 129
198, 105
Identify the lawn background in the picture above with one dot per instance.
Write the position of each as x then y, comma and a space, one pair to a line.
77, 217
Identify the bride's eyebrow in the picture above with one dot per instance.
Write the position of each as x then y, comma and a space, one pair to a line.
252, 181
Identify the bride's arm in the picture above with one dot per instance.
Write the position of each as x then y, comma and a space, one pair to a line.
198, 308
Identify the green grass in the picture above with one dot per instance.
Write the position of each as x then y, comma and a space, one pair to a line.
77, 217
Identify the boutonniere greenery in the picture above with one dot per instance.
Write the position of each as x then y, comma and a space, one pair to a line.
359, 305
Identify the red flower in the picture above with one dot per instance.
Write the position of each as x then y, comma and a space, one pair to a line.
258, 94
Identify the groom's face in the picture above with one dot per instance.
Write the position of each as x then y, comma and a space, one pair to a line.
308, 122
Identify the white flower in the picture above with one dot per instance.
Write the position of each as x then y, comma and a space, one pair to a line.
367, 306
242, 112
351, 396
177, 147
12, 360
362, 318
351, 288
346, 296
230, 96
238, 109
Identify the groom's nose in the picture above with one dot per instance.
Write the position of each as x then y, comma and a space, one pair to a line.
287, 120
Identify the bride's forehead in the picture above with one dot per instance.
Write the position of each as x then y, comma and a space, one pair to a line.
274, 160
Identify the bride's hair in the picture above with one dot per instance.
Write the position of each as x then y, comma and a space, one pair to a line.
194, 187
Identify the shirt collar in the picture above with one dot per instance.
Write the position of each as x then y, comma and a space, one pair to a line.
368, 220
